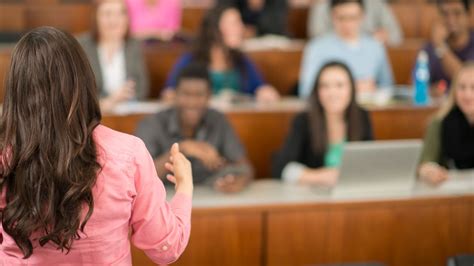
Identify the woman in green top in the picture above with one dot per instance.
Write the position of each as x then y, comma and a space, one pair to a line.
313, 149
449, 140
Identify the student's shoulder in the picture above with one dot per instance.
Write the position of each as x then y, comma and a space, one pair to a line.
186, 57
371, 43
216, 115
321, 44
133, 43
324, 40
157, 119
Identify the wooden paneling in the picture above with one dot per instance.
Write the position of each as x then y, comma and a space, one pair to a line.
160, 61
359, 234
402, 59
472, 227
430, 16
298, 22
428, 235
12, 17
69, 15
220, 239
405, 14
4, 65
74, 18
411, 233
48, 2
401, 123
405, 232
281, 68
262, 134
297, 238
191, 19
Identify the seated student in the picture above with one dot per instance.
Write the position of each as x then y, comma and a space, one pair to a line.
203, 134
449, 140
313, 149
365, 56
218, 47
262, 17
452, 41
117, 59
72, 191
154, 19
379, 21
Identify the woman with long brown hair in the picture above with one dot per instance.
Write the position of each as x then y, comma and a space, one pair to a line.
312, 152
218, 46
71, 189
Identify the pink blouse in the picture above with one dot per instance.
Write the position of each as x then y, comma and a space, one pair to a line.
164, 16
129, 199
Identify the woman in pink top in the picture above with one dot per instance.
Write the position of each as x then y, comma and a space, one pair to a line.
71, 189
154, 19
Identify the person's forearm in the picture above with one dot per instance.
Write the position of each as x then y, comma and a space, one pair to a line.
451, 63
311, 176
321, 176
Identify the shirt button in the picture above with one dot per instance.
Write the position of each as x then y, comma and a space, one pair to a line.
164, 248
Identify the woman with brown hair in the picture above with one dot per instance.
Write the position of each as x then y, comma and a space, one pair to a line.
218, 46
116, 58
449, 140
71, 189
312, 151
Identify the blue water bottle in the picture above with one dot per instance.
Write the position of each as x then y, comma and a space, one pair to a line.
422, 80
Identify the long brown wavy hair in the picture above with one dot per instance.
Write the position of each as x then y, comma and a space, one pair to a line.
49, 160
318, 124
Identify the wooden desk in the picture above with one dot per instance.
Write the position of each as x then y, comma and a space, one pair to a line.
279, 67
275, 224
262, 129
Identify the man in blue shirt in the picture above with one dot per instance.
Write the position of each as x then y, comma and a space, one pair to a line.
365, 56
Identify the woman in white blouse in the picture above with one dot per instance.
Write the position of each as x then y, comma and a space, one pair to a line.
117, 59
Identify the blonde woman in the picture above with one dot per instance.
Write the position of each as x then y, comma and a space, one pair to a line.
449, 141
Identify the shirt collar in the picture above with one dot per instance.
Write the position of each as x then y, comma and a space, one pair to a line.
174, 128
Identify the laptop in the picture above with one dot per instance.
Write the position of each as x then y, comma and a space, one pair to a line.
378, 167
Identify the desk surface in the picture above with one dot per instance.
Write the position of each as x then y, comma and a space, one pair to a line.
272, 193
272, 223
286, 104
